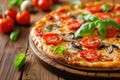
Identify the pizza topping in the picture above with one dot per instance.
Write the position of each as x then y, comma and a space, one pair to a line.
52, 38
99, 24
94, 9
68, 36
106, 15
76, 45
91, 43
90, 55
117, 19
59, 49
39, 32
73, 24
111, 32
105, 8
90, 17
117, 11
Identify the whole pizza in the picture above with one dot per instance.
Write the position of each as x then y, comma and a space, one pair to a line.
86, 35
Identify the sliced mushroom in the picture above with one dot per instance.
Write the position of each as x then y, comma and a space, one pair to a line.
76, 45
68, 36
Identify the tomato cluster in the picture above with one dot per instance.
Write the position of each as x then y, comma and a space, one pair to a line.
12, 16
44, 4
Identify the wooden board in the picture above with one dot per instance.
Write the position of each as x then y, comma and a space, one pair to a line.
80, 71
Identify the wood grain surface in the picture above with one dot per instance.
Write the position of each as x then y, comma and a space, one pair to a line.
34, 68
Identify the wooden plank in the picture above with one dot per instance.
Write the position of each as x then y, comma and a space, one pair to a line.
7, 71
34, 70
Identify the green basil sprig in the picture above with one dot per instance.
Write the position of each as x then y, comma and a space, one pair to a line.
105, 8
84, 29
59, 49
90, 17
99, 24
19, 60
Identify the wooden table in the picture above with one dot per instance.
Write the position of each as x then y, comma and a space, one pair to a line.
34, 69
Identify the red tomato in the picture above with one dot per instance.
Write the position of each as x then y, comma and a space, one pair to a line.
23, 18
94, 9
73, 24
117, 10
105, 15
11, 13
1, 16
117, 19
52, 38
44, 4
90, 55
90, 43
35, 2
112, 31
6, 25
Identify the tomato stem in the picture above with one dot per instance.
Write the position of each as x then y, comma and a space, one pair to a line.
3, 11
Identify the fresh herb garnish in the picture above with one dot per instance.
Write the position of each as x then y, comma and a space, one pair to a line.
90, 17
101, 25
105, 8
59, 49
19, 60
85, 29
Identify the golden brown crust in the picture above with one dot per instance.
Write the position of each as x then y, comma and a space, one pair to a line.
82, 63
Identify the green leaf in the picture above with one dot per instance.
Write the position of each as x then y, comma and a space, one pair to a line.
15, 2
101, 28
111, 22
90, 17
54, 7
19, 60
60, 49
105, 8
85, 28
14, 35
75, 2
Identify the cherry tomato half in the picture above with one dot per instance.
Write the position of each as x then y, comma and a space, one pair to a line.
105, 15
73, 24
44, 4
11, 13
117, 19
35, 2
90, 55
23, 18
90, 43
117, 10
6, 25
52, 38
94, 9
112, 31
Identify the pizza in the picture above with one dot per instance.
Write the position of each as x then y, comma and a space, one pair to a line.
83, 36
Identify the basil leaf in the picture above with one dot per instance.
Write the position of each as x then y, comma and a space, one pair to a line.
105, 8
19, 60
111, 22
15, 2
101, 28
60, 49
85, 28
75, 2
90, 17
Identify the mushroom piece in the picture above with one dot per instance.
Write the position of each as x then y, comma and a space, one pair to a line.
109, 47
76, 45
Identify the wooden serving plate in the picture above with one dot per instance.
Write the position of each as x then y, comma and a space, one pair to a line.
73, 69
